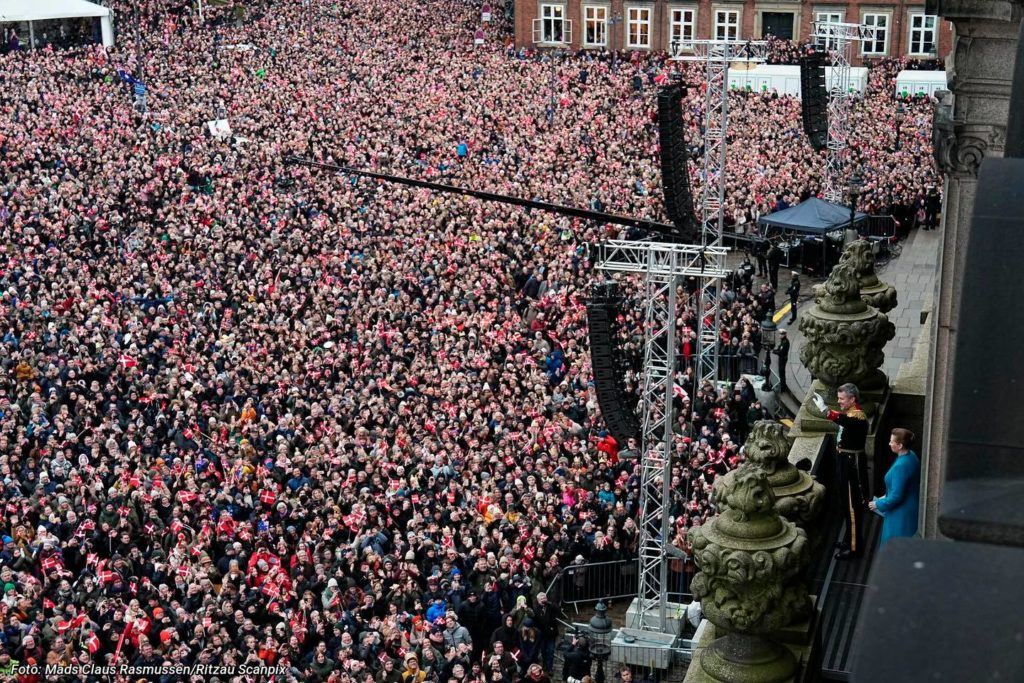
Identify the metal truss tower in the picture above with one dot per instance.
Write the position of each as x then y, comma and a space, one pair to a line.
662, 266
716, 56
839, 39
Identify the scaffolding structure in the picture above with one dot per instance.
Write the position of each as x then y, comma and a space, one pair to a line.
662, 265
839, 38
716, 55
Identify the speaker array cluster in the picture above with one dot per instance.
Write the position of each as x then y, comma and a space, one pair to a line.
814, 99
617, 407
675, 177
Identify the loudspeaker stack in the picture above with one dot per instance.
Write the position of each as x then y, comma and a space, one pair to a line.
814, 99
675, 177
618, 409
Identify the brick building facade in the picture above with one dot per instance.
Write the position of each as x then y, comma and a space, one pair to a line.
904, 28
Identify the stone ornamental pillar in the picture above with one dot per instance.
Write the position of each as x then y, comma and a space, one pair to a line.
749, 584
875, 292
844, 341
980, 69
798, 497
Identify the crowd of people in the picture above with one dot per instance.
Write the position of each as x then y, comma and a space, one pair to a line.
254, 413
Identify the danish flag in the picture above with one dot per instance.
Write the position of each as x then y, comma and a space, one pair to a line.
92, 643
355, 520
267, 497
126, 362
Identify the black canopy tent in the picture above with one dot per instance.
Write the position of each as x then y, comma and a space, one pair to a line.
814, 220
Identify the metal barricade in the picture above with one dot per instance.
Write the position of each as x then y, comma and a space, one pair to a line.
580, 584
880, 227
583, 583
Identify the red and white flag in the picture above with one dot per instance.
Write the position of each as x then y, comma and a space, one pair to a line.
126, 362
267, 497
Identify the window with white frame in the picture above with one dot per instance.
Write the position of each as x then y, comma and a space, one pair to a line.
552, 25
922, 33
828, 18
727, 24
880, 45
682, 27
595, 25
638, 27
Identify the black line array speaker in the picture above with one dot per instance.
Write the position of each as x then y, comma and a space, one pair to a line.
618, 410
814, 99
675, 177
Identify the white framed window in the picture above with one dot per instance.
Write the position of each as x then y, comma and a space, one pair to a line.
922, 34
830, 17
552, 26
682, 27
595, 25
879, 47
638, 27
727, 24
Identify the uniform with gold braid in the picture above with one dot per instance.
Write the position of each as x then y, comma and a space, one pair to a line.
852, 475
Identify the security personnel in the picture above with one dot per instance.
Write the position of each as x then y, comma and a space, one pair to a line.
851, 465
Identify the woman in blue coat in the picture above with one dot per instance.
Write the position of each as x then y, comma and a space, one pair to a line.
902, 489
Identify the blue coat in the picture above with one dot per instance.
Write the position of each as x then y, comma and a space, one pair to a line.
902, 497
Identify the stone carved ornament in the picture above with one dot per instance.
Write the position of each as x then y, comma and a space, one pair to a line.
798, 497
960, 148
873, 291
750, 560
845, 337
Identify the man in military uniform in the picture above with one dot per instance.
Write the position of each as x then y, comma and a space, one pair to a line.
851, 465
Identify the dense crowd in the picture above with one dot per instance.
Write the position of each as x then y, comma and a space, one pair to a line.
253, 413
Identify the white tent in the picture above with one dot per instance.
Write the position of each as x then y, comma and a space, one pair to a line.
12, 11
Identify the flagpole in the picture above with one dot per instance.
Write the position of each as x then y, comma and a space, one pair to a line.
120, 642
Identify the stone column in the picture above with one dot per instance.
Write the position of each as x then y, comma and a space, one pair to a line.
798, 497
980, 69
751, 562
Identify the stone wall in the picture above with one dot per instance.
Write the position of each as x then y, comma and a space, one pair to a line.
980, 72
